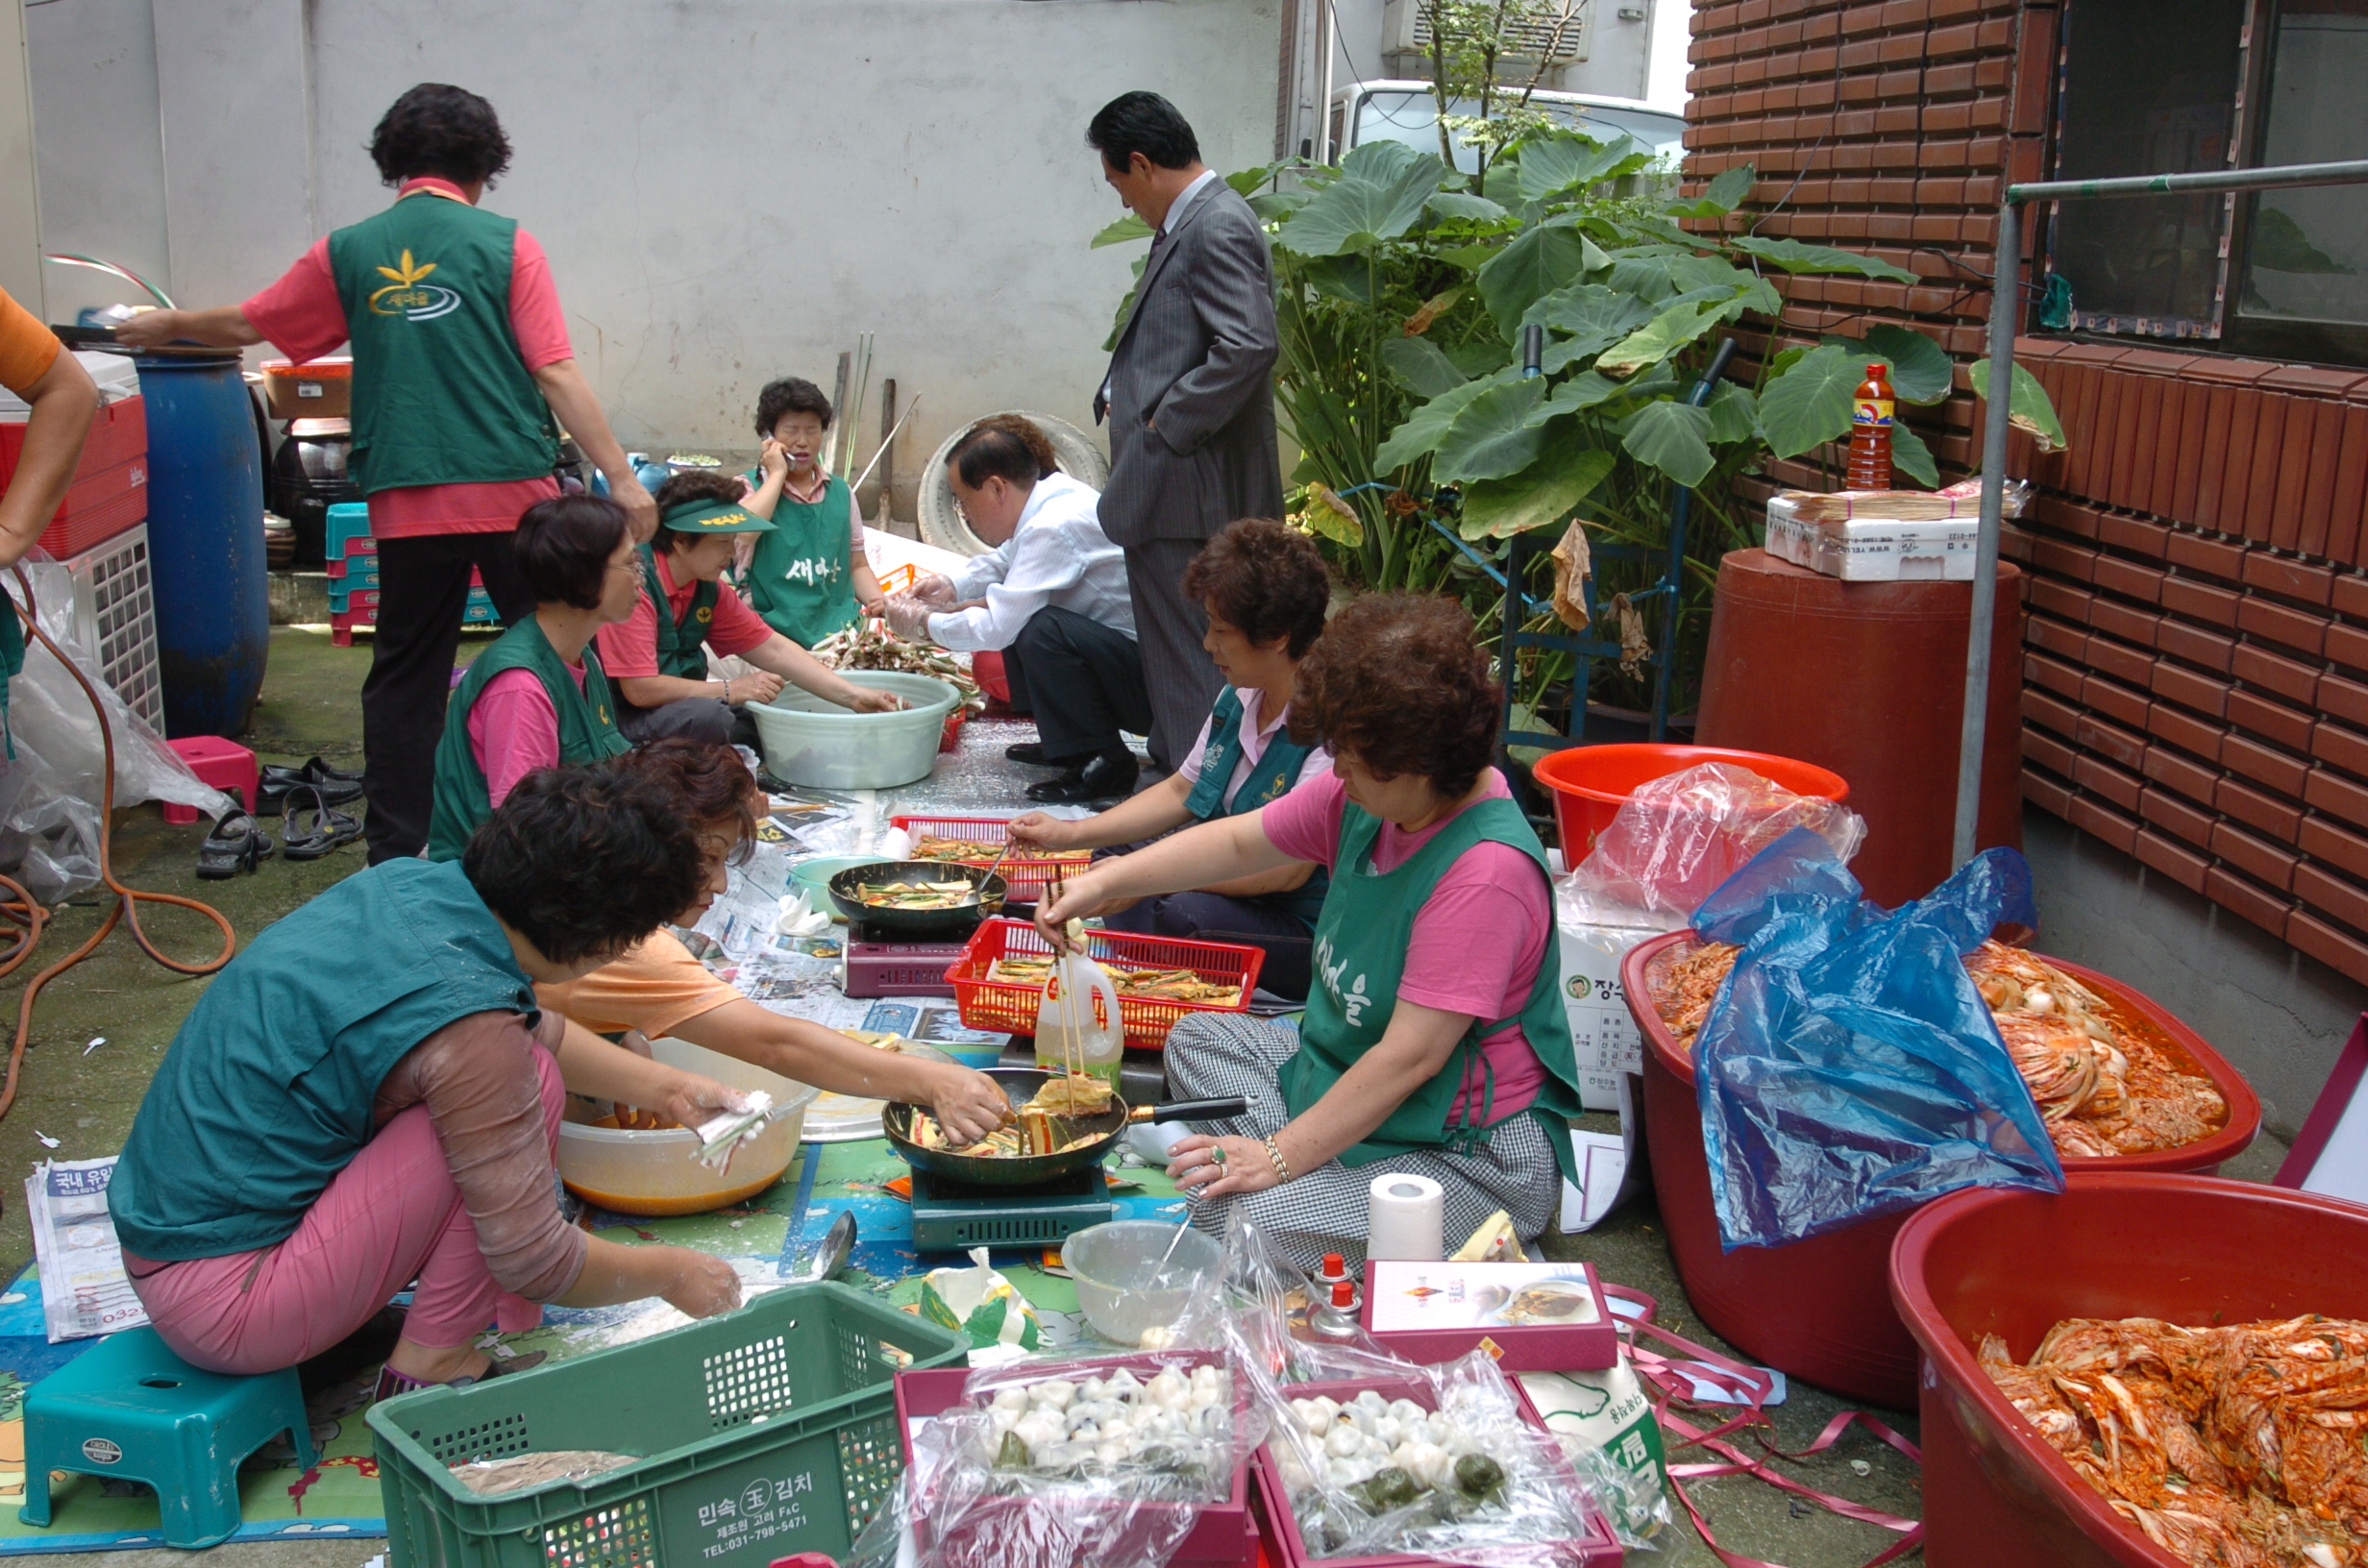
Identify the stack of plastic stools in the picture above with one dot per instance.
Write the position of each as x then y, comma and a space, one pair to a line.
353, 570
479, 611
130, 1410
226, 765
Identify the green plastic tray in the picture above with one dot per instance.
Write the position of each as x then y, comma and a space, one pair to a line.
768, 1432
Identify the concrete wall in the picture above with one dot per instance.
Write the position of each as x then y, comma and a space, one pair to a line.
101, 155
728, 190
2279, 1017
20, 231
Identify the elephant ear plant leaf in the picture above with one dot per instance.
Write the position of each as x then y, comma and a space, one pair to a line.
1404, 290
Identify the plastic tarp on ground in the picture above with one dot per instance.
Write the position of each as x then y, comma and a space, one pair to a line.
1848, 1067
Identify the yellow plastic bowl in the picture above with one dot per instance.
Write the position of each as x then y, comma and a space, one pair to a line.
657, 1173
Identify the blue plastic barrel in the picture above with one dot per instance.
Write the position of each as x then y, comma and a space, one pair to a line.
206, 541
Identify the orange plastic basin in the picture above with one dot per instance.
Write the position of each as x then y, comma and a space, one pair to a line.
1591, 783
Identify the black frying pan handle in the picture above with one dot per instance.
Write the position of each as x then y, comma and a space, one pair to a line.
1224, 1109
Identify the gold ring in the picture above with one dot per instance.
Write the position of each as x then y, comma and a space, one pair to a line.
1216, 1155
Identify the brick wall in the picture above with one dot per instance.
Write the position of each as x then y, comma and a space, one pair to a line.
2196, 672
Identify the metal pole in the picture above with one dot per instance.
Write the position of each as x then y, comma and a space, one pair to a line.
2351, 173
2005, 297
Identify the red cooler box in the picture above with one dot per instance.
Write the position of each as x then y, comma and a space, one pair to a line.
110, 491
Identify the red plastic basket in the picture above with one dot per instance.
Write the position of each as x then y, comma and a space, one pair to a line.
1223, 1536
1279, 1527
1003, 1006
1024, 878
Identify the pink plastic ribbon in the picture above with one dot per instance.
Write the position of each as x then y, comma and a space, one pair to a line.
1671, 1383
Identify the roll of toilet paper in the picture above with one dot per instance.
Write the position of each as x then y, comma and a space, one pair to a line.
1404, 1217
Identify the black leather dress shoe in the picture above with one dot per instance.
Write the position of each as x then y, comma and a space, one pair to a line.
1029, 752
1100, 778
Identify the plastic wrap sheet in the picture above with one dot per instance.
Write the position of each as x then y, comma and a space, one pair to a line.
51, 792
1436, 1462
1048, 1463
1848, 1067
1676, 838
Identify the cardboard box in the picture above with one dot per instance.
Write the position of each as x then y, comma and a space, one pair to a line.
1875, 548
1602, 1033
315, 389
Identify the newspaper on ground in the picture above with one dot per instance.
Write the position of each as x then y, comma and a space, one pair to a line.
84, 1288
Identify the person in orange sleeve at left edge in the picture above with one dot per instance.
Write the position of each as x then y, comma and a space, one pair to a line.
63, 400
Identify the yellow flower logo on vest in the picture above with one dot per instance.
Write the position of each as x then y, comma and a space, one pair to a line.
409, 296
703, 614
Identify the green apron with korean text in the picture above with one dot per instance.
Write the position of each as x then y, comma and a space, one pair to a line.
441, 393
266, 1093
1270, 779
801, 578
680, 648
587, 730
1360, 957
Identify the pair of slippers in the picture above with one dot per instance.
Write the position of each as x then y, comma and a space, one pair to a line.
312, 828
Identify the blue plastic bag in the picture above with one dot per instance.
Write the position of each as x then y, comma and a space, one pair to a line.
1848, 1067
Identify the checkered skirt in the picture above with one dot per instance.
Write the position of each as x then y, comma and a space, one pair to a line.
1214, 1054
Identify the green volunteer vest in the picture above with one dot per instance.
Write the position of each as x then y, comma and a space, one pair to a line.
1360, 957
442, 394
265, 1092
801, 578
11, 664
587, 730
1276, 770
680, 649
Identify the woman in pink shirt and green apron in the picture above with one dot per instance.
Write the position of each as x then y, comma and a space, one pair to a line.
1434, 1042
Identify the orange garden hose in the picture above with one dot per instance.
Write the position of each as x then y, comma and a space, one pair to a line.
19, 908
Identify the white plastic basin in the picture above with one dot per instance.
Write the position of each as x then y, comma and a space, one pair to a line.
657, 1173
816, 743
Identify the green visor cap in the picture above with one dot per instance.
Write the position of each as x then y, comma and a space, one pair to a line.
713, 517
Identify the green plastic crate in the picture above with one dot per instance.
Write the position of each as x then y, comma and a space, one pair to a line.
769, 1430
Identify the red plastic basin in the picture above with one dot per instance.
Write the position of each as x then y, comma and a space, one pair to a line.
1591, 783
1818, 1310
2186, 1248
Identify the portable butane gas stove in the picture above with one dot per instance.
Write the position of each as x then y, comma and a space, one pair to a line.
951, 1215
880, 966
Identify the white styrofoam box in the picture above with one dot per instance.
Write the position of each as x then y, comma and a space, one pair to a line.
114, 604
1602, 1033
1876, 549
116, 376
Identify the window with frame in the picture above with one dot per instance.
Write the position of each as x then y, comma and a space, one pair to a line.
2161, 87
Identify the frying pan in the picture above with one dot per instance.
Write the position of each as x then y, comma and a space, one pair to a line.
958, 920
1020, 1086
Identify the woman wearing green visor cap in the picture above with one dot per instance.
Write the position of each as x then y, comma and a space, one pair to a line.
658, 655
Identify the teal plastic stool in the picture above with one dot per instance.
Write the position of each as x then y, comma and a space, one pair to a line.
130, 1409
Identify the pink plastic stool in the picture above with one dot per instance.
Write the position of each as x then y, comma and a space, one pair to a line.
226, 765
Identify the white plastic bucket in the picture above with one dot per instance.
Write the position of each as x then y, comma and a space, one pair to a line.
809, 741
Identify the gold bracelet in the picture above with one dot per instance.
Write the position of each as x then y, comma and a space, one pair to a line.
1281, 1169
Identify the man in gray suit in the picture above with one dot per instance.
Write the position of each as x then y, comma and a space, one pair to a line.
1190, 395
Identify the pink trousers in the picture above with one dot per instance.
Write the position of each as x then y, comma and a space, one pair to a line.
390, 1217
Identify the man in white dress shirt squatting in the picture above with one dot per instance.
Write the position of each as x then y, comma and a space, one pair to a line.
1052, 598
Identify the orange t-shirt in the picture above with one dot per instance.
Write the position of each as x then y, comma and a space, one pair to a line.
27, 348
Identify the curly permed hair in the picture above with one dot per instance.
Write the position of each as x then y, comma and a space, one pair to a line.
585, 862
438, 128
1266, 579
1397, 682
710, 787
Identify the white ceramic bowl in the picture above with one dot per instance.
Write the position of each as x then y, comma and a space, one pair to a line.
658, 1172
818, 744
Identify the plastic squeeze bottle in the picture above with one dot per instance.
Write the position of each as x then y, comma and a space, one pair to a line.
1077, 1023
1871, 432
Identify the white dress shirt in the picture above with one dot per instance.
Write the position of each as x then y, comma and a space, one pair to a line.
1058, 556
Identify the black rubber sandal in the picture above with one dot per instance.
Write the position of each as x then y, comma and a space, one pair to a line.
314, 829
236, 842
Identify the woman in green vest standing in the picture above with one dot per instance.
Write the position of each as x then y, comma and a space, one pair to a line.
369, 1095
809, 577
1263, 587
1435, 1041
538, 697
463, 375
